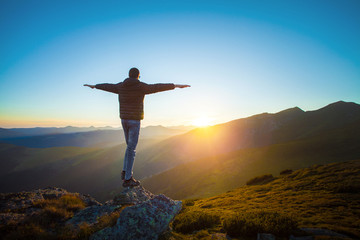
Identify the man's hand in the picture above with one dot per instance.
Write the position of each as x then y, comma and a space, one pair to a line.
90, 86
181, 86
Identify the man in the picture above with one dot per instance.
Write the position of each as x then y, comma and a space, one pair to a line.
131, 98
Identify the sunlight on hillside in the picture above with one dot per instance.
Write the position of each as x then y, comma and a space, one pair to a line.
280, 204
204, 136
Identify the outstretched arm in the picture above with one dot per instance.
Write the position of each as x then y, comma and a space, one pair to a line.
104, 86
160, 87
90, 86
181, 86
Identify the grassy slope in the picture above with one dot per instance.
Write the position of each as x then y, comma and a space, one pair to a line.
209, 176
322, 196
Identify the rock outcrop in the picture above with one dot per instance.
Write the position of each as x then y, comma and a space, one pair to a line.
21, 200
134, 195
139, 213
91, 215
147, 219
15, 207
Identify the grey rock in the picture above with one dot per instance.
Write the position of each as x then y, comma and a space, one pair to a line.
90, 215
30, 211
51, 192
89, 201
147, 217
15, 207
322, 232
23, 200
110, 203
133, 195
55, 192
301, 238
146, 220
265, 236
11, 218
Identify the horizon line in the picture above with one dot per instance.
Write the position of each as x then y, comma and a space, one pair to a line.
177, 125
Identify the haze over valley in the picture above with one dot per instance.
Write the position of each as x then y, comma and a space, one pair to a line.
181, 163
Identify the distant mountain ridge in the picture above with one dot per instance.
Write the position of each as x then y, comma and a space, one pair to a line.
199, 157
79, 137
92, 171
37, 131
217, 174
255, 131
288, 139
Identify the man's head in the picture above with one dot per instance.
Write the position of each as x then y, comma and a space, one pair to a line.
134, 73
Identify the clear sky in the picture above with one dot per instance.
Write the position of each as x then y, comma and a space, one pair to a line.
240, 57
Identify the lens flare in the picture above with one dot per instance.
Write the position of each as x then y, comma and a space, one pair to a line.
202, 122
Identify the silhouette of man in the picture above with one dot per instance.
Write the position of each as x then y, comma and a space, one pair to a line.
131, 98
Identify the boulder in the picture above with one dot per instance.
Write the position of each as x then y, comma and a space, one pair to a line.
90, 215
301, 238
131, 196
265, 236
145, 220
145, 216
322, 232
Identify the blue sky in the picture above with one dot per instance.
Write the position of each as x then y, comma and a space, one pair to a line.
240, 57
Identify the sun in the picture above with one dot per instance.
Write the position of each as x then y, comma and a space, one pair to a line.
202, 122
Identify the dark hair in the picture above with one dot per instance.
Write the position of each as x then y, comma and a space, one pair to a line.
134, 73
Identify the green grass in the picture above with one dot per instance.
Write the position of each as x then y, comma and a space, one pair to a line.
322, 196
249, 224
85, 230
187, 222
52, 214
49, 222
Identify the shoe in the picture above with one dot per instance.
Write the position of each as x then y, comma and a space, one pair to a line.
123, 175
132, 182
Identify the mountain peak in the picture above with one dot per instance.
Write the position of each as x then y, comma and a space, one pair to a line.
294, 110
341, 105
288, 114
344, 111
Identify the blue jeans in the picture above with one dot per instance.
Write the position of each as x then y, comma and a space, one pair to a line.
131, 131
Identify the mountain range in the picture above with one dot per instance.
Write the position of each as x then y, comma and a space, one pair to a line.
252, 132
37, 131
200, 162
80, 137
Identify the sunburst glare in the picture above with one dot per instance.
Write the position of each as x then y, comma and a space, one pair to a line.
202, 122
